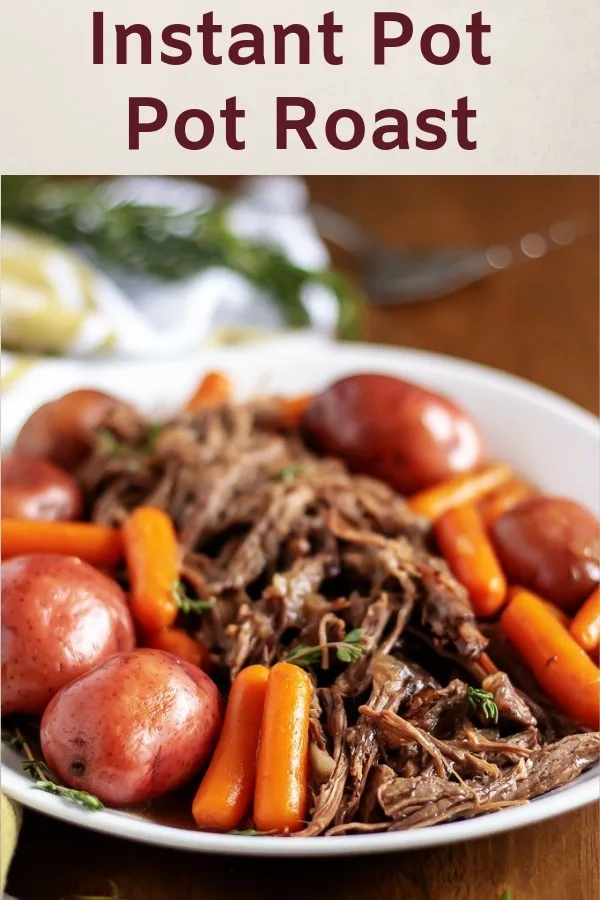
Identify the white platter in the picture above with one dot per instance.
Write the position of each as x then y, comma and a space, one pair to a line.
545, 437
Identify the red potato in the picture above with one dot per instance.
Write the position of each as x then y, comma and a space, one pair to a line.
60, 617
391, 429
62, 430
551, 546
137, 726
37, 489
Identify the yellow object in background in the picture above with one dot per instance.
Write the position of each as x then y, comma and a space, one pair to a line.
50, 298
10, 823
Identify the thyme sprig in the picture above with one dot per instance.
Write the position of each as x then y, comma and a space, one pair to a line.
349, 650
187, 604
40, 773
484, 700
252, 832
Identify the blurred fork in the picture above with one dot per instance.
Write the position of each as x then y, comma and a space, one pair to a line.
396, 276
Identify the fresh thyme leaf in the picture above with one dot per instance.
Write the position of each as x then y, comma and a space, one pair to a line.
346, 651
14, 742
37, 768
354, 636
304, 656
73, 796
189, 604
478, 698
252, 832
344, 654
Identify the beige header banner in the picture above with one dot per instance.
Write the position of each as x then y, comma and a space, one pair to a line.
376, 86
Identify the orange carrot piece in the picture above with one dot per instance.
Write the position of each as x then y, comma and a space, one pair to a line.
95, 544
503, 499
558, 613
561, 667
214, 389
225, 793
464, 543
585, 626
282, 768
460, 489
181, 644
153, 561
291, 410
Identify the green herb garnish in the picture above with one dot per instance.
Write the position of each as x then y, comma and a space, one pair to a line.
251, 832
289, 472
109, 443
14, 742
349, 650
152, 433
484, 700
73, 796
189, 604
38, 770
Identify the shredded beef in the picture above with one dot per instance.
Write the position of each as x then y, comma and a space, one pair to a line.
291, 551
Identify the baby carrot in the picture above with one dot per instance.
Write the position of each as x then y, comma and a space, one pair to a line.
464, 543
558, 663
460, 489
225, 792
282, 769
95, 544
215, 388
181, 644
291, 409
153, 559
558, 613
585, 626
505, 498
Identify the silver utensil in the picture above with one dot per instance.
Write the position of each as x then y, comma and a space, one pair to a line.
396, 276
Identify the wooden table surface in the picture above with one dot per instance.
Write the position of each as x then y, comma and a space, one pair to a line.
540, 321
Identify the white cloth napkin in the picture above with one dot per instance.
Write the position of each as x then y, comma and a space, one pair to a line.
147, 318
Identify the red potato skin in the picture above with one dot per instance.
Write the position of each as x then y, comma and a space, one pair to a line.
406, 435
37, 489
60, 617
62, 430
137, 726
551, 546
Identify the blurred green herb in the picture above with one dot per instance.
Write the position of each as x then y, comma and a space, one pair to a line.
289, 472
348, 650
478, 698
109, 443
152, 433
165, 243
506, 894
